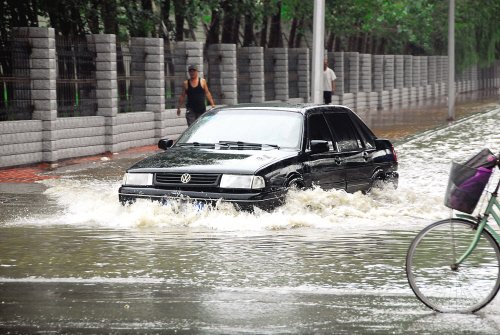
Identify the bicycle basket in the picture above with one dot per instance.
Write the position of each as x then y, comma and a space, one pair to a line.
468, 180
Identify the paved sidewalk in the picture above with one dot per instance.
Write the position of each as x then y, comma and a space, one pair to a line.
31, 174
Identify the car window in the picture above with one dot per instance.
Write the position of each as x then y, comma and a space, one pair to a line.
344, 131
280, 128
318, 129
367, 135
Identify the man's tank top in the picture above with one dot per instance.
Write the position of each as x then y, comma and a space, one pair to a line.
196, 98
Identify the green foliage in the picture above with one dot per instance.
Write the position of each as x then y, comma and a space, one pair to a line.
417, 27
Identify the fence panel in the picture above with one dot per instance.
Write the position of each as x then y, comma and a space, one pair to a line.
76, 77
15, 84
269, 62
173, 80
293, 75
131, 79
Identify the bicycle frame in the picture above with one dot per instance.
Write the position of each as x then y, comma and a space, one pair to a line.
493, 204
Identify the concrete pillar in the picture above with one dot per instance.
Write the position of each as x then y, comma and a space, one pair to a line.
339, 69
432, 75
352, 71
378, 73
107, 86
388, 72
416, 71
185, 54
250, 69
222, 73
444, 74
365, 72
399, 71
43, 84
154, 73
280, 56
408, 67
304, 73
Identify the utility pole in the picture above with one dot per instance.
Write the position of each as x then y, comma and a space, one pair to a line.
318, 51
451, 61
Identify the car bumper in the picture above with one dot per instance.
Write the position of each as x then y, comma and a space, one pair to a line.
268, 200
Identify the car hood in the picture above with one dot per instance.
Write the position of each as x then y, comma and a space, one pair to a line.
211, 160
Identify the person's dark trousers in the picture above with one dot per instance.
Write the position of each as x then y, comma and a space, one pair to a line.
192, 116
327, 97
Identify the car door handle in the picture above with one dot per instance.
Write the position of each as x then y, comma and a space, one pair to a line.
365, 155
338, 161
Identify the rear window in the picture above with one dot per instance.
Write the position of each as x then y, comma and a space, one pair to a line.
345, 132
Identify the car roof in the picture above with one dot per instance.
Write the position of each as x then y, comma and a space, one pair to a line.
282, 106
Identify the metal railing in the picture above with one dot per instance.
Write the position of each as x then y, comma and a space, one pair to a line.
131, 79
15, 83
173, 80
76, 78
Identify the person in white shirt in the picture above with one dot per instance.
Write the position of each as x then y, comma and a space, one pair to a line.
328, 83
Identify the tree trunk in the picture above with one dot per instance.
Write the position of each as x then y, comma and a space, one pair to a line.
299, 34
275, 38
248, 36
180, 13
329, 42
33, 13
293, 32
263, 33
93, 17
165, 24
227, 22
236, 30
108, 14
214, 29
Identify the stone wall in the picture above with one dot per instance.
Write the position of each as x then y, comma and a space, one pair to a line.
235, 75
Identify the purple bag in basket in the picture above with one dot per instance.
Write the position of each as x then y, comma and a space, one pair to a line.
465, 196
477, 182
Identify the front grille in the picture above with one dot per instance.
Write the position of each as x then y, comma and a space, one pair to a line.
197, 179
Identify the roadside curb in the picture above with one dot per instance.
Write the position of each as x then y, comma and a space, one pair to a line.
34, 173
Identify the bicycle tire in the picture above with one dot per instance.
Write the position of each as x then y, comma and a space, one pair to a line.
429, 267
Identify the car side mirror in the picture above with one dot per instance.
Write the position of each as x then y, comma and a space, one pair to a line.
165, 143
319, 146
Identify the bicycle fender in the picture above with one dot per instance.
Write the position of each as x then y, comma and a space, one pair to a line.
467, 217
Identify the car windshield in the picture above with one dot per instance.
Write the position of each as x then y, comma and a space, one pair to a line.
247, 127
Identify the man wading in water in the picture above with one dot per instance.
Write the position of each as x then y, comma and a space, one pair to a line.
196, 89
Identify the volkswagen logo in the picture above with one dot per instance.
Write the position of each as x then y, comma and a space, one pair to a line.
185, 178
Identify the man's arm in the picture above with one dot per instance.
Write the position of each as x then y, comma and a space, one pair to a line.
208, 94
334, 85
182, 97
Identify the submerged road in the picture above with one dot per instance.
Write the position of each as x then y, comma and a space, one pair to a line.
74, 261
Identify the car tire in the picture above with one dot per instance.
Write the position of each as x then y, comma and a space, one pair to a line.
295, 183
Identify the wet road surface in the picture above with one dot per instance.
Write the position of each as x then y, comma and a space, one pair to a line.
72, 260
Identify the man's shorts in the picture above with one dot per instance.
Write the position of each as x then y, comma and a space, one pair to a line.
192, 116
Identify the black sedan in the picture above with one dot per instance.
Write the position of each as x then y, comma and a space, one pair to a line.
251, 155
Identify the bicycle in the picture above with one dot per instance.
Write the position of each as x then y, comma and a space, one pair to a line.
453, 265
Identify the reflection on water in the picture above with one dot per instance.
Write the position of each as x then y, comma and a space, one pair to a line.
71, 256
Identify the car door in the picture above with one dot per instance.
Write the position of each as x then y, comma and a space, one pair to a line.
325, 169
356, 155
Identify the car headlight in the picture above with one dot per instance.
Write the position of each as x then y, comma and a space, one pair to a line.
138, 179
241, 181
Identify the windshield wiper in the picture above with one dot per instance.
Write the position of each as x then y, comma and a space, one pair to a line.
196, 144
248, 144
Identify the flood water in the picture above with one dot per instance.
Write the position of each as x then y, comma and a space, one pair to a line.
73, 260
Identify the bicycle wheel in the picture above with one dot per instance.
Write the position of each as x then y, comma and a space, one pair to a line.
430, 273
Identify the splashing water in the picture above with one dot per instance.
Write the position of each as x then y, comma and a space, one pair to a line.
424, 162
